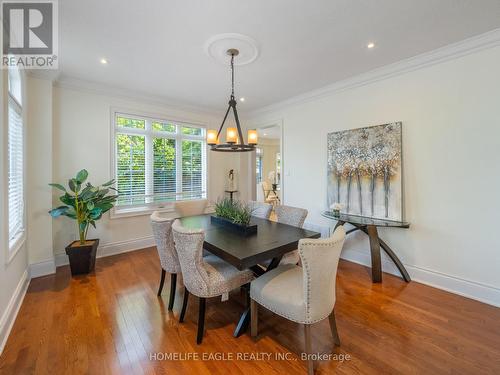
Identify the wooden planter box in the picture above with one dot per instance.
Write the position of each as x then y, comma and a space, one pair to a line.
82, 257
244, 230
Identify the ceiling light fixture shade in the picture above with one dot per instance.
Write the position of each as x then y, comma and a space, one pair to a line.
234, 136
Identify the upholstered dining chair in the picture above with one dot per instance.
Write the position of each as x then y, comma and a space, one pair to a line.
302, 294
205, 277
294, 216
191, 207
162, 232
260, 209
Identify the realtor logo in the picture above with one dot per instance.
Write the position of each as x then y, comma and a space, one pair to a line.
29, 34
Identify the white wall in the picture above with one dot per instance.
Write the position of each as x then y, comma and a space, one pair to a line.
81, 139
13, 269
451, 141
39, 175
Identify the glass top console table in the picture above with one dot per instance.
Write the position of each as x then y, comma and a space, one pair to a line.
369, 226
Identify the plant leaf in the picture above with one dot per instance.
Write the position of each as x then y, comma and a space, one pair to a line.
56, 212
58, 186
82, 176
67, 199
72, 185
109, 183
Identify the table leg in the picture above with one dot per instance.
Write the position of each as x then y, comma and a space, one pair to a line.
392, 255
395, 259
339, 223
375, 254
242, 325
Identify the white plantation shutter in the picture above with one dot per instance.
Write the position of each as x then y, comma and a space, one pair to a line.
158, 161
16, 170
164, 170
192, 169
131, 169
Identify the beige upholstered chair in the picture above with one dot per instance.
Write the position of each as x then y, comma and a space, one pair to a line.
191, 207
204, 277
292, 216
302, 294
162, 231
260, 209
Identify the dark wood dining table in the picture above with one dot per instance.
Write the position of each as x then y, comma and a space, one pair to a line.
271, 242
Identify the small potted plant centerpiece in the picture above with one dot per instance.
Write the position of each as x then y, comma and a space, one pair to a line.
234, 215
85, 205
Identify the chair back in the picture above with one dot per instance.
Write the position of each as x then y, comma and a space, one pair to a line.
320, 259
191, 207
162, 232
189, 245
294, 216
260, 209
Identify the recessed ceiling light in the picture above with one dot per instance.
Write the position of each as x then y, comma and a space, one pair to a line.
265, 134
104, 61
242, 99
370, 45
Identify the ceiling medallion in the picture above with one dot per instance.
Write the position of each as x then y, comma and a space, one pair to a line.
217, 46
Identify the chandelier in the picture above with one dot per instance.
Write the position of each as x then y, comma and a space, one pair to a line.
234, 136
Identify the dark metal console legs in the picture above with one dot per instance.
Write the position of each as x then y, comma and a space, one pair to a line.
375, 254
375, 244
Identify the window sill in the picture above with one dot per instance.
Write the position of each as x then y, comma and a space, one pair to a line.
15, 245
168, 212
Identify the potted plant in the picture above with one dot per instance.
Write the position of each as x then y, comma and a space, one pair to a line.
85, 205
234, 215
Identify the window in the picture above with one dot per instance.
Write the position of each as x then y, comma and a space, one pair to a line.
158, 161
15, 147
258, 164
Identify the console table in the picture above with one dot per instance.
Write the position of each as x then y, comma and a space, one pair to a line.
369, 226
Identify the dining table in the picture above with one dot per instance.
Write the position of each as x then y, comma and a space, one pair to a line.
271, 241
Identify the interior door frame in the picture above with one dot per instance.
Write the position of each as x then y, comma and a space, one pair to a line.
252, 171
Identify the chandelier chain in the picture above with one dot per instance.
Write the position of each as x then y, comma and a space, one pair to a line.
232, 75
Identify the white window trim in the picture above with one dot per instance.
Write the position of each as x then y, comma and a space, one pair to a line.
17, 243
165, 207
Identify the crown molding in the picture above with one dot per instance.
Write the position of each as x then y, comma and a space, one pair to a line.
452, 51
45, 74
72, 83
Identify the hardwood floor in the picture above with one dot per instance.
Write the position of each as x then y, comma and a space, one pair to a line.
113, 322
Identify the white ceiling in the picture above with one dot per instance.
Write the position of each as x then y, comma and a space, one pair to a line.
156, 47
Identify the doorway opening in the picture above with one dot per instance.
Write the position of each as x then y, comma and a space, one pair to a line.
268, 179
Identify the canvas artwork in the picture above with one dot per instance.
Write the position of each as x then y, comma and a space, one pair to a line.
365, 171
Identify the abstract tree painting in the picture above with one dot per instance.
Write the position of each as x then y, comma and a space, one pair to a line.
365, 171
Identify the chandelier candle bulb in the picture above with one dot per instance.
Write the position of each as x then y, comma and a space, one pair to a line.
252, 137
231, 135
212, 137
